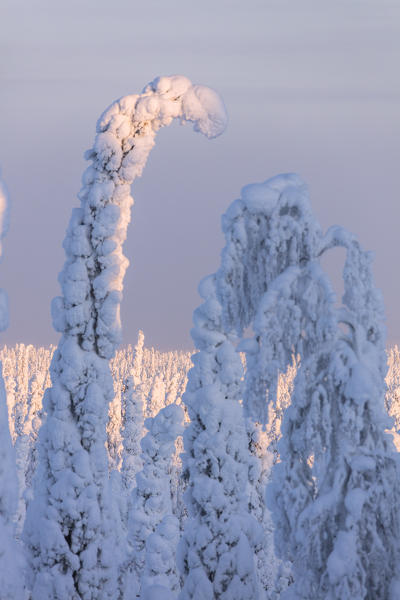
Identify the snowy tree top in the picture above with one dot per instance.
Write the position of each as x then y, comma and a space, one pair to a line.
268, 229
92, 279
168, 98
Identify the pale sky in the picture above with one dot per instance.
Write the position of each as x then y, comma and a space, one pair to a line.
311, 86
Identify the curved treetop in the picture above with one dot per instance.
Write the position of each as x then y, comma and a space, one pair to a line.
92, 278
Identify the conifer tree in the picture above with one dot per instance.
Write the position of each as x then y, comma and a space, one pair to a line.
217, 551
151, 519
69, 530
133, 422
11, 563
268, 231
334, 493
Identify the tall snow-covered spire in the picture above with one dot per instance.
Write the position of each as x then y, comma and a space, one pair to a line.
69, 529
10, 555
217, 551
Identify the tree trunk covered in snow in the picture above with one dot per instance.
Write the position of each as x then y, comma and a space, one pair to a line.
69, 528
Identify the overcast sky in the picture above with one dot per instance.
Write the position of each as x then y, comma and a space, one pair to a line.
310, 86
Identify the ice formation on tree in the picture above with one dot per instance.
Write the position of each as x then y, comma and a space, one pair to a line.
269, 230
69, 530
216, 555
11, 563
133, 423
152, 526
334, 493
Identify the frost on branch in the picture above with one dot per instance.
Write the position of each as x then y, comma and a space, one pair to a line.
69, 528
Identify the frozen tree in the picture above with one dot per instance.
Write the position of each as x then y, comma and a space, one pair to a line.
21, 390
11, 564
121, 373
392, 401
335, 491
8, 360
269, 229
132, 433
270, 279
156, 397
152, 526
69, 529
217, 552
259, 471
27, 442
138, 360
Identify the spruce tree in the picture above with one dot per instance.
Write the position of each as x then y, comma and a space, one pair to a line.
334, 493
217, 552
11, 562
69, 530
151, 519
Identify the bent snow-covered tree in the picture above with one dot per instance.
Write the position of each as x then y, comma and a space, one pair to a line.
268, 231
270, 279
69, 531
11, 565
334, 492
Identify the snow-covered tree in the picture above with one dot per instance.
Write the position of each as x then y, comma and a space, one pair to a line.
334, 493
392, 400
217, 551
137, 365
151, 525
69, 529
26, 444
133, 422
156, 398
11, 564
268, 231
